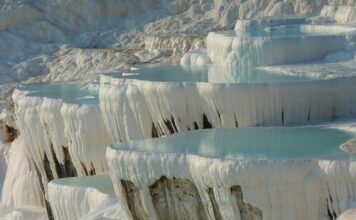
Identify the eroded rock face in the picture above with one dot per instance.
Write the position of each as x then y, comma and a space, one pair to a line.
172, 45
179, 198
214, 204
247, 211
7, 133
176, 199
134, 200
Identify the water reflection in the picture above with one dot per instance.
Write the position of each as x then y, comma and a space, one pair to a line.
252, 143
206, 73
69, 93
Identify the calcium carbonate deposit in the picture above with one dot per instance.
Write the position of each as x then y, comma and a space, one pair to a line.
177, 109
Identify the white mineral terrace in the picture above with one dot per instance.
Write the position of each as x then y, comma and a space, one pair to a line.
169, 107
84, 198
278, 93
256, 46
60, 136
127, 109
260, 173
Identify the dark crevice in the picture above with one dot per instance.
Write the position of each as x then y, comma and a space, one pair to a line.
47, 168
57, 164
170, 126
206, 122
46, 162
196, 127
219, 115
11, 133
282, 117
70, 170
309, 115
47, 205
154, 132
174, 124
84, 168
92, 171
331, 213
215, 206
247, 211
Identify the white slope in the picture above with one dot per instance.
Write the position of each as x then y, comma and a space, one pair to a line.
25, 213
21, 186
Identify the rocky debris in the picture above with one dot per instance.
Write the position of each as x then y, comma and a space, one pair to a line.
176, 199
8, 132
349, 146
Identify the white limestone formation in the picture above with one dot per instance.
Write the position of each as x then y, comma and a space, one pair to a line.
22, 184
58, 140
195, 57
25, 213
84, 198
246, 52
134, 109
301, 189
348, 214
79, 40
254, 24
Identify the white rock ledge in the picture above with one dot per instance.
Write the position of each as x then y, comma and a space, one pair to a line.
83, 198
60, 139
245, 52
273, 189
163, 108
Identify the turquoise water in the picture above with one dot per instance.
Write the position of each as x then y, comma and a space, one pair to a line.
278, 31
69, 93
205, 73
251, 143
79, 94
101, 182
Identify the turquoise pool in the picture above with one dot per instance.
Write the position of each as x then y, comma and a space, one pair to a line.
101, 182
69, 93
251, 143
205, 73
283, 31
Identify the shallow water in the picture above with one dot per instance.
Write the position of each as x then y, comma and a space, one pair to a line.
101, 182
251, 143
205, 73
69, 93
277, 31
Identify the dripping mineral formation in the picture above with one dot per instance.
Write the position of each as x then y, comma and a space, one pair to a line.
86, 85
